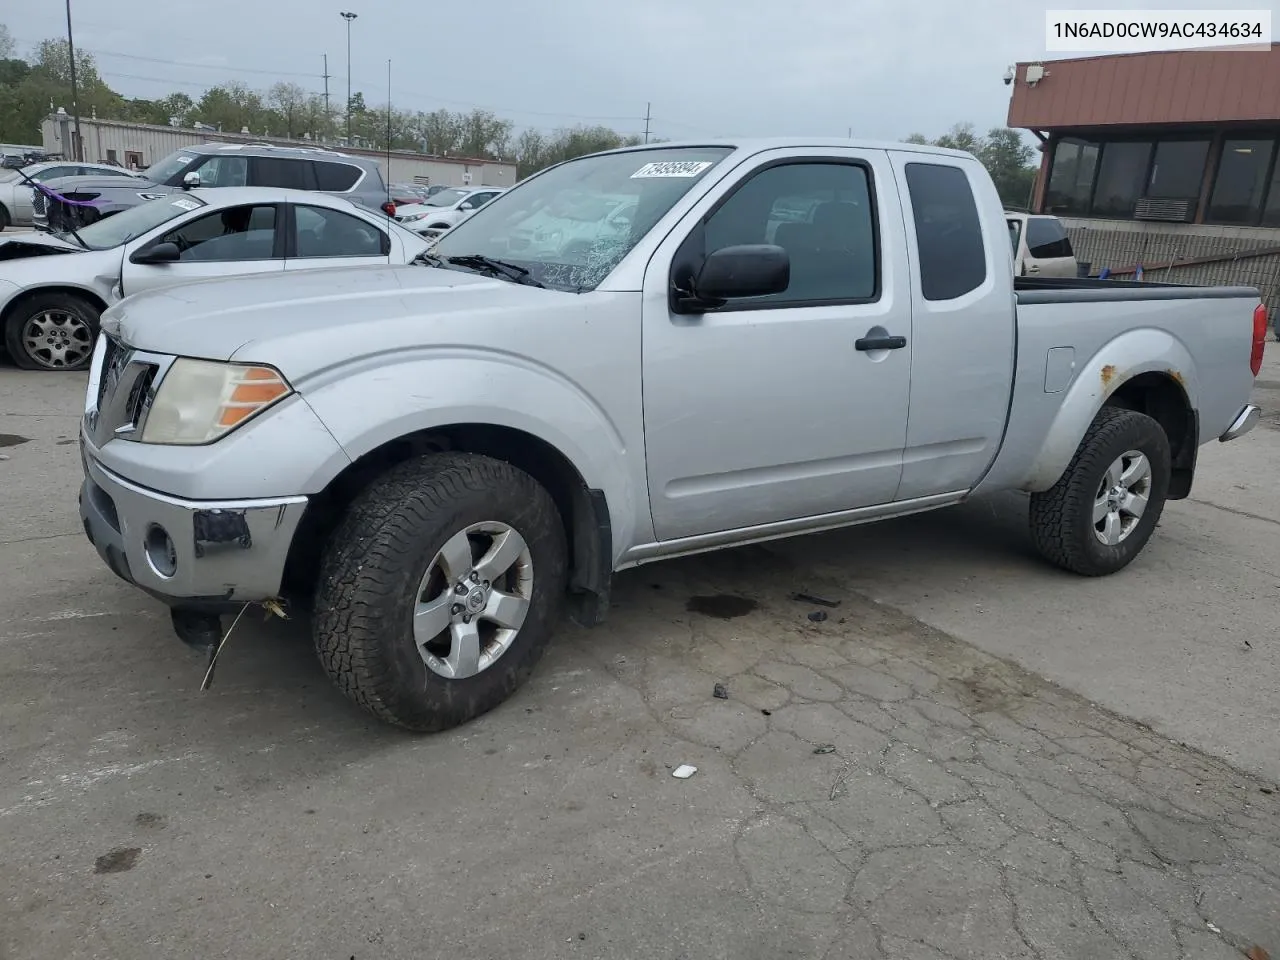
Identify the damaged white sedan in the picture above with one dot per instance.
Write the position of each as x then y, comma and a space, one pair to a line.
54, 286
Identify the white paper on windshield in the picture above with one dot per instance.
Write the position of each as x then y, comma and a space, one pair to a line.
671, 168
184, 204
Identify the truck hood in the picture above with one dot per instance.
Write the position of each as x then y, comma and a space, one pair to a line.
34, 245
313, 319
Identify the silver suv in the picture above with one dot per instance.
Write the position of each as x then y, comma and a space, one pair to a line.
91, 198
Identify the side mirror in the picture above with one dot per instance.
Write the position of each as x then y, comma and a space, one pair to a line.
191, 180
748, 270
157, 253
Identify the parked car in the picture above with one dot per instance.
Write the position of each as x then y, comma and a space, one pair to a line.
1041, 247
217, 165
15, 190
53, 288
406, 193
447, 208
437, 457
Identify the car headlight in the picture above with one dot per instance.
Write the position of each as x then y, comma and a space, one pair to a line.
153, 196
412, 217
202, 400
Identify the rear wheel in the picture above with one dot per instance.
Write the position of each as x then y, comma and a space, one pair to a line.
439, 590
52, 331
1104, 507
5, 218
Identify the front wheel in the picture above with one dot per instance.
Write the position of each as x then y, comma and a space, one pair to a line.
439, 590
52, 331
1099, 515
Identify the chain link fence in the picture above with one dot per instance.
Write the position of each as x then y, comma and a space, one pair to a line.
1177, 253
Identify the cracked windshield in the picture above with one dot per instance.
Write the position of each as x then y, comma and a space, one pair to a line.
572, 225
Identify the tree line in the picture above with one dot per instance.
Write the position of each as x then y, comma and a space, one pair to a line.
31, 88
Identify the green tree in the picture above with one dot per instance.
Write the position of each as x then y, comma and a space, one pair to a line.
232, 107
1007, 157
290, 103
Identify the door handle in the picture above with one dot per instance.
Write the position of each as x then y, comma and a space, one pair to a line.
880, 343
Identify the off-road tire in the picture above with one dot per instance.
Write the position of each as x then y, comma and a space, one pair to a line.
374, 563
16, 320
1062, 516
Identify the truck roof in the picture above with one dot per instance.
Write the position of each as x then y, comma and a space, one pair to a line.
758, 144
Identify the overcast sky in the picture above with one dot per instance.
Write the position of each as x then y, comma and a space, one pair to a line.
884, 68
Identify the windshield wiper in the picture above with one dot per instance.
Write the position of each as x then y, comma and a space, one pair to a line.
64, 234
500, 268
430, 259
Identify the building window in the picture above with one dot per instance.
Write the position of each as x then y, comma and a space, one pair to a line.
1271, 213
111, 157
1177, 172
1122, 177
1071, 177
1241, 181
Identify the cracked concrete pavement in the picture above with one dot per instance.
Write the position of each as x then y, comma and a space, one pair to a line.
877, 785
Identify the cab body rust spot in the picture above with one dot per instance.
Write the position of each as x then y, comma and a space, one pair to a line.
1108, 374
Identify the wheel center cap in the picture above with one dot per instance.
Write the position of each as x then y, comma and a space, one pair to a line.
475, 599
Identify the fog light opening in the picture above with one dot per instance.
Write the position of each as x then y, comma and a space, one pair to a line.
161, 553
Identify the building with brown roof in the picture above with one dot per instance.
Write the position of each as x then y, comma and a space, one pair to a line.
1166, 160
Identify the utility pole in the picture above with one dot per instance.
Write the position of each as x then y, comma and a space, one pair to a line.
327, 115
75, 92
648, 107
347, 17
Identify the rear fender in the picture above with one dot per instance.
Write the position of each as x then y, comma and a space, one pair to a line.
1117, 362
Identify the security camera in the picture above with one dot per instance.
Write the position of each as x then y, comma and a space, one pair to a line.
1008, 76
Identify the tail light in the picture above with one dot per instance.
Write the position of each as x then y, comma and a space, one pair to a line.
1259, 338
389, 208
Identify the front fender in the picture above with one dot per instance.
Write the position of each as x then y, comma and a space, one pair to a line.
388, 398
1146, 350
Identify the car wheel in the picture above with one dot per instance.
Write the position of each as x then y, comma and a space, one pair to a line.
52, 331
1103, 509
439, 590
5, 218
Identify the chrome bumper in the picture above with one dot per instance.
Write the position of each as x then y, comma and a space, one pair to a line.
188, 550
1245, 421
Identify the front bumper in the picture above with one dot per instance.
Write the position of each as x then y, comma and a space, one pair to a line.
1245, 421
188, 553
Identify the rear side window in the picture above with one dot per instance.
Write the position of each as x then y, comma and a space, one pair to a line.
953, 259
1046, 239
336, 177
284, 173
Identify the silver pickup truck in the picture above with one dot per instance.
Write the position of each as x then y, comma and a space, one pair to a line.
789, 336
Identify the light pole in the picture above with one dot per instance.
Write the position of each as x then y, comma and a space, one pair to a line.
347, 17
78, 152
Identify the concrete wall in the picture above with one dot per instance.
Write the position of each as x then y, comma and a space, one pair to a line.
110, 140
1164, 249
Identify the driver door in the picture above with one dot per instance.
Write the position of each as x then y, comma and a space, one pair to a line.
230, 242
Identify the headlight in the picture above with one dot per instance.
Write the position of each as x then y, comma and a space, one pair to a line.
201, 400
153, 196
412, 217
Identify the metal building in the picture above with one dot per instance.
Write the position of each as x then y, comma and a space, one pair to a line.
142, 144
1165, 161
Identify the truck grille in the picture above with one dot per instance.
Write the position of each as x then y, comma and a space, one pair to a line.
38, 202
125, 392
